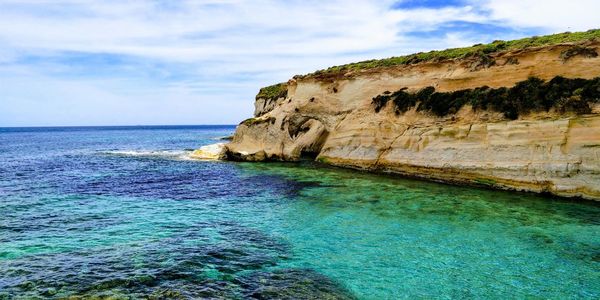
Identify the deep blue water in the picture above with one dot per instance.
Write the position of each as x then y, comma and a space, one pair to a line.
123, 212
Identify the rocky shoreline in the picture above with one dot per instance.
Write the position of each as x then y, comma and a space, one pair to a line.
341, 120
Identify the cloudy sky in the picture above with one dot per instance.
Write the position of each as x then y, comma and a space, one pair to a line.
113, 62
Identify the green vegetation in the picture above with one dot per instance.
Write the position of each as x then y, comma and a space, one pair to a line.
323, 160
252, 121
273, 92
578, 51
480, 51
533, 94
485, 181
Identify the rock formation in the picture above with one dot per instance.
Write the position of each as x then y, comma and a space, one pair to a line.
330, 116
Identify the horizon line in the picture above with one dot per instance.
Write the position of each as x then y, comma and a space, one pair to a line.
96, 126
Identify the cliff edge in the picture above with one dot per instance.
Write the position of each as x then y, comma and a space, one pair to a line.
521, 115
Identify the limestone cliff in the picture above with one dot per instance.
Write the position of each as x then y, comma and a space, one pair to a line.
331, 117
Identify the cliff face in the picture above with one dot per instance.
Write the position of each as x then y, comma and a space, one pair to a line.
332, 118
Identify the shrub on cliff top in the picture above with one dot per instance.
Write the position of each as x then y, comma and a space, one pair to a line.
530, 95
253, 121
272, 92
473, 51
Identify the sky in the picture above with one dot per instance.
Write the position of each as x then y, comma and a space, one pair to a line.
167, 62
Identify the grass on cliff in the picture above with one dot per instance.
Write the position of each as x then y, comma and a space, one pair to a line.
479, 50
275, 91
533, 94
253, 121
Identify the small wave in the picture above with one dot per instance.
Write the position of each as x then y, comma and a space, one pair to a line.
209, 152
173, 154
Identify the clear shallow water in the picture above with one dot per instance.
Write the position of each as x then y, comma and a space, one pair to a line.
122, 212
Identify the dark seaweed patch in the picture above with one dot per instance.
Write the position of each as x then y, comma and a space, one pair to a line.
233, 267
292, 284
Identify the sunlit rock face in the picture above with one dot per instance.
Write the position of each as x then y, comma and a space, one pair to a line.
209, 152
333, 120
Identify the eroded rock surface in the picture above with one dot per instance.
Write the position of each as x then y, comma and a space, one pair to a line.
334, 120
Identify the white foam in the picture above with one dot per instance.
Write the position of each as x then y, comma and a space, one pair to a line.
173, 154
209, 152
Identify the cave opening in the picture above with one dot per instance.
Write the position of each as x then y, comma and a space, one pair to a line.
309, 155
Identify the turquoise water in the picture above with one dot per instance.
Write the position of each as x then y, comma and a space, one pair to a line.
123, 213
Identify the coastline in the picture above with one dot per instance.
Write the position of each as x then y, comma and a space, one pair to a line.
355, 119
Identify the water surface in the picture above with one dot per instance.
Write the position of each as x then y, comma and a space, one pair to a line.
123, 212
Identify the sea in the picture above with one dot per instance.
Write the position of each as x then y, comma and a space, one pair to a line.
125, 213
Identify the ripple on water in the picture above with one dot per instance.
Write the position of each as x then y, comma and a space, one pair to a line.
78, 222
233, 267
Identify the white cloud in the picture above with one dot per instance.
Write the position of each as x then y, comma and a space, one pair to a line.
199, 51
550, 15
35, 100
197, 30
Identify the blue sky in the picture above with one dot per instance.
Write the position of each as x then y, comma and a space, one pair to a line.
109, 62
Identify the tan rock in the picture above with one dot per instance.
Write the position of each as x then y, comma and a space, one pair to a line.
542, 152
